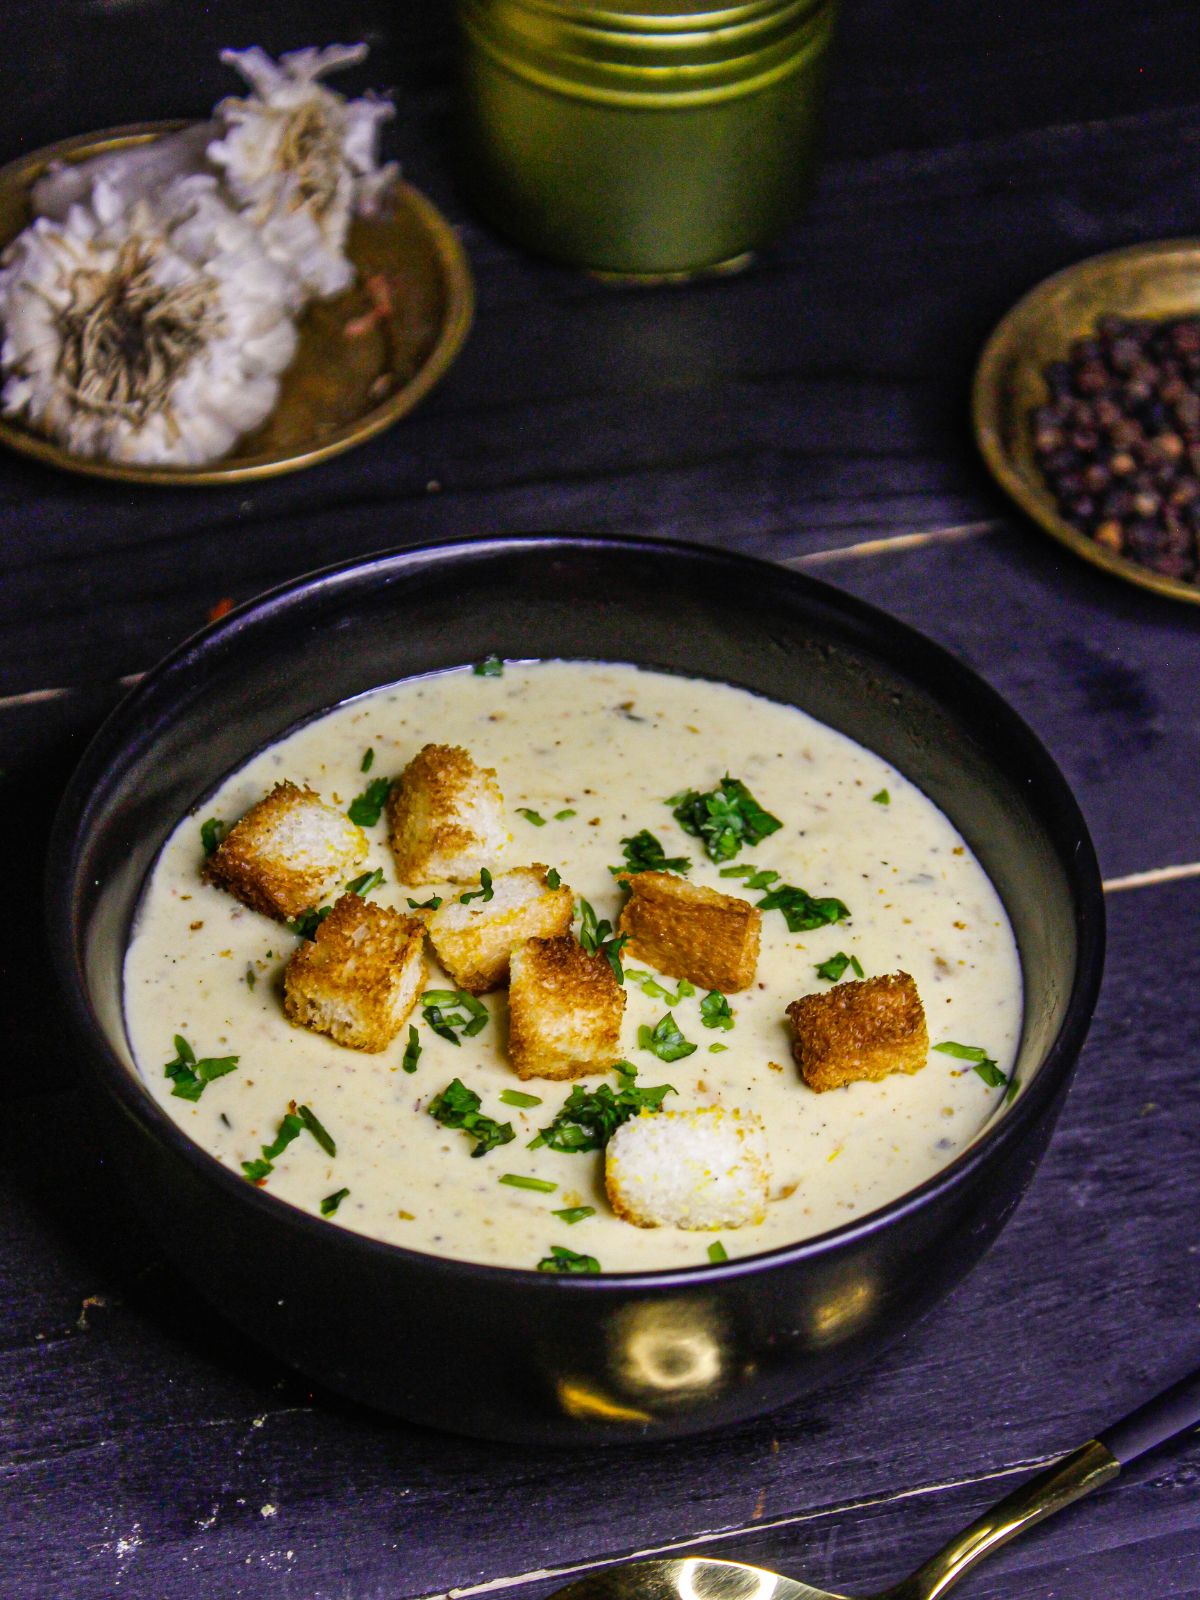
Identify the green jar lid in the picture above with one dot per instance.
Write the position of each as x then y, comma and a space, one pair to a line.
648, 51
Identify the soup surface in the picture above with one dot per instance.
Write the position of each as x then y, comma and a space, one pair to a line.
594, 751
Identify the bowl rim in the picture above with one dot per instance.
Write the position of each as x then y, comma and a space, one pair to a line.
72, 821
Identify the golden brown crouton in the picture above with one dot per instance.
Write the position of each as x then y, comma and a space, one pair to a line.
287, 853
360, 977
565, 1010
474, 941
686, 931
445, 817
859, 1030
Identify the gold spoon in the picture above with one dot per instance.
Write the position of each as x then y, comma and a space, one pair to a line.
1085, 1469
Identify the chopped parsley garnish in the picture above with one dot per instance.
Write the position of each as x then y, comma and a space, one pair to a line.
211, 834
412, 1050
458, 1107
251, 978
449, 1023
484, 891
573, 1214
717, 1252
664, 1040
801, 910
561, 1259
643, 853
833, 969
1014, 1083
517, 1097
987, 1069
590, 1117
363, 885
717, 1049
368, 760
649, 985
531, 815
756, 878
726, 818
367, 808
561, 816
553, 878
715, 1011
293, 1123
431, 904
516, 1181
490, 667
189, 1077
332, 1201
597, 938
883, 798
307, 923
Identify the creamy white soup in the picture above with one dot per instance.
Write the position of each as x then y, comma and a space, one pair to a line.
594, 752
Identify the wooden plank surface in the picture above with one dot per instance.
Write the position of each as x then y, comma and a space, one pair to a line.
812, 412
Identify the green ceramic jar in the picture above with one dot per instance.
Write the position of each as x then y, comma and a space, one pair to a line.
642, 138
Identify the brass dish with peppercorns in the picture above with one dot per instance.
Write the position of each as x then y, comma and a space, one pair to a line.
1086, 406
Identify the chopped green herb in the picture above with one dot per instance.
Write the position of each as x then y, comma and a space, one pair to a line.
257, 1171
251, 978
189, 1077
450, 1023
291, 1126
561, 1259
412, 1050
717, 1049
458, 1107
431, 904
484, 892
309, 1118
553, 879
489, 667
717, 1252
987, 1069
332, 1201
643, 853
590, 1117
362, 886
715, 1011
756, 878
726, 818
833, 969
801, 910
561, 816
307, 923
368, 760
597, 938
883, 798
650, 985
573, 1214
516, 1097
665, 1040
367, 808
1014, 1083
516, 1181
211, 834
531, 816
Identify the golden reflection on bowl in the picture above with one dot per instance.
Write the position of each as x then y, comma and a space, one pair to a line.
1150, 281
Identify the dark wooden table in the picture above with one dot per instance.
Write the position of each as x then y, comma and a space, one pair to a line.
813, 411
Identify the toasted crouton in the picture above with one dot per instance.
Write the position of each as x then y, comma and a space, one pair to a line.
686, 931
565, 1010
859, 1030
287, 853
474, 941
360, 977
445, 817
698, 1169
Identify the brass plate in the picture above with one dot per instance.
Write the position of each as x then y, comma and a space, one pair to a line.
337, 391
1147, 280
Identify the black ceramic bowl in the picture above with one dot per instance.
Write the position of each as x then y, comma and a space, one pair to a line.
514, 1354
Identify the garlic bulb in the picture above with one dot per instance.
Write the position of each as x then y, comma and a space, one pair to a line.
154, 334
301, 159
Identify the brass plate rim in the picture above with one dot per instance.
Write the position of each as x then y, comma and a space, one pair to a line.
993, 379
455, 324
